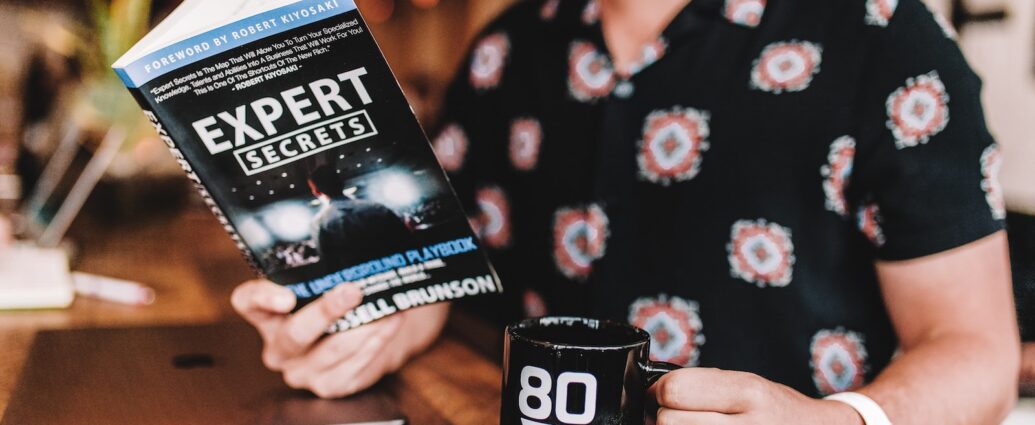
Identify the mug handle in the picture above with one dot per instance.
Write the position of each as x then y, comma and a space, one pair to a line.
652, 371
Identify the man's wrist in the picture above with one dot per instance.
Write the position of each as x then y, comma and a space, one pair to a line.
840, 413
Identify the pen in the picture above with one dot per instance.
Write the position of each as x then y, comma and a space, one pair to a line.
111, 289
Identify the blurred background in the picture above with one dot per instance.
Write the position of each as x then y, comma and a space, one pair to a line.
56, 79
59, 100
55, 84
137, 218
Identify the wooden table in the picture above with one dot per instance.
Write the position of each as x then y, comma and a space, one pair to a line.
193, 267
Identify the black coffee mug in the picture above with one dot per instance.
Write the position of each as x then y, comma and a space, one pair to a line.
569, 370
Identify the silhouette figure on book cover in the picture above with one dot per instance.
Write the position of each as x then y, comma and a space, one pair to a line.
347, 230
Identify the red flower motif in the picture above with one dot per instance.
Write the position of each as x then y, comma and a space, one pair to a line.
495, 222
674, 326
838, 361
580, 238
672, 144
786, 66
451, 147
869, 220
761, 253
879, 12
590, 73
746, 13
837, 172
991, 163
526, 135
918, 111
488, 61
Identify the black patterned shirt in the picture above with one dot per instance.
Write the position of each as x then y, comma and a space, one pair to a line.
732, 190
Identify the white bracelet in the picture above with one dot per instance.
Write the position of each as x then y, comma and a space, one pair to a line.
870, 411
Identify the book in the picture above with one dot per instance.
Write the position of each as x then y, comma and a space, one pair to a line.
286, 116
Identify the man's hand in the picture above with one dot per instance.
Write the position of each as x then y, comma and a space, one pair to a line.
954, 315
337, 365
699, 396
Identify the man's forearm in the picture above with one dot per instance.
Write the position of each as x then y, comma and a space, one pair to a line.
948, 380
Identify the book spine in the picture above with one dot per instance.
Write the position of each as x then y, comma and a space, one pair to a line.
150, 111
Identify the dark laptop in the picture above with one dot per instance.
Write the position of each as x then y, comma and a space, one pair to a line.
177, 375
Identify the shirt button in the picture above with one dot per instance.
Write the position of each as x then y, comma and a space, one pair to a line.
624, 89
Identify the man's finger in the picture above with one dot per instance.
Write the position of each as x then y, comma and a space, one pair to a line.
361, 370
307, 325
263, 304
335, 348
262, 296
681, 417
709, 390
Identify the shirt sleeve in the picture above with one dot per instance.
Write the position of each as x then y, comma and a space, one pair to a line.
926, 166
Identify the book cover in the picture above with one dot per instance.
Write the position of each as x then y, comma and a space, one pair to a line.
297, 135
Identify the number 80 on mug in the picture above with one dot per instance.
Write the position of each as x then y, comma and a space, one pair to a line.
541, 390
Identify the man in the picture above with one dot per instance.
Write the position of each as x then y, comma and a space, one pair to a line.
342, 220
799, 196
